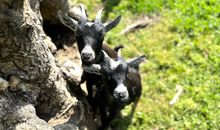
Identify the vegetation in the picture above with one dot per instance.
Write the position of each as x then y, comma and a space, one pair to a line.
183, 49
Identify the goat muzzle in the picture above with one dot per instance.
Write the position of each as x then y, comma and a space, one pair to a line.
121, 93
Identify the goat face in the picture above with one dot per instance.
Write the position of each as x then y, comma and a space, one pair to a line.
89, 37
89, 34
114, 74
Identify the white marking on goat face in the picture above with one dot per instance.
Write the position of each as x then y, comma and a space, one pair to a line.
121, 93
87, 54
89, 24
114, 64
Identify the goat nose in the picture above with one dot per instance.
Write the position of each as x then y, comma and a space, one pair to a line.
86, 56
121, 95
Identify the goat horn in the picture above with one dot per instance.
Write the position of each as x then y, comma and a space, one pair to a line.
105, 54
106, 57
66, 20
83, 15
99, 16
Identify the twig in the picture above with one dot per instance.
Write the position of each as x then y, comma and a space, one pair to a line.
176, 97
137, 25
65, 110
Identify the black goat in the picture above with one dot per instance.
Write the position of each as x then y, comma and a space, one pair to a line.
90, 36
121, 85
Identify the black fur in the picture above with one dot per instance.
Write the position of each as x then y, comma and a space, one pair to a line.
90, 33
110, 105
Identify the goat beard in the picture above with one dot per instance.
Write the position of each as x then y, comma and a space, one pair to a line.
88, 63
120, 104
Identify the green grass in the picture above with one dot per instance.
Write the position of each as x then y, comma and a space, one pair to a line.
183, 48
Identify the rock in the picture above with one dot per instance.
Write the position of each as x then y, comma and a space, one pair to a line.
72, 71
3, 84
50, 44
13, 82
66, 126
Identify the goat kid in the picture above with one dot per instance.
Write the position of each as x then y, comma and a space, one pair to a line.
121, 85
90, 36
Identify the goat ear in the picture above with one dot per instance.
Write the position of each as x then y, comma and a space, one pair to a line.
135, 62
112, 24
94, 69
67, 21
